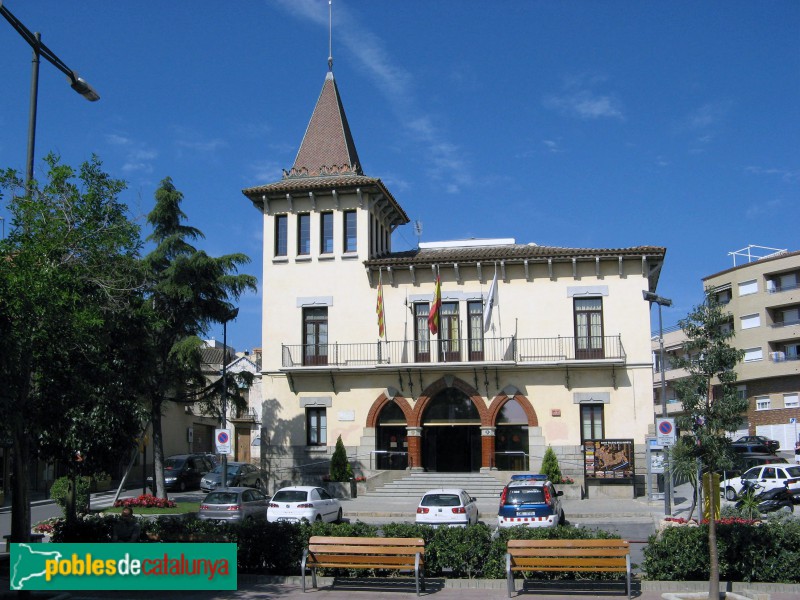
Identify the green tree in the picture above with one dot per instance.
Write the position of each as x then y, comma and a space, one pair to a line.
187, 290
712, 405
340, 466
68, 286
550, 466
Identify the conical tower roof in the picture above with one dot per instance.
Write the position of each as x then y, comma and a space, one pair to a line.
327, 147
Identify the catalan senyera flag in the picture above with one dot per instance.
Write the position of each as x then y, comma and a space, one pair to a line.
379, 308
433, 316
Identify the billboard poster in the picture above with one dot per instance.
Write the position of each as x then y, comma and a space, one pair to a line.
608, 459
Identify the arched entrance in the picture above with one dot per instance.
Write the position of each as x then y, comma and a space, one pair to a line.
511, 437
451, 434
391, 438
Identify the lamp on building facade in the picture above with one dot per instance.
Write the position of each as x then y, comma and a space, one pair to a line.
231, 315
654, 298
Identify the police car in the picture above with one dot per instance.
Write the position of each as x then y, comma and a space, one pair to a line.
531, 501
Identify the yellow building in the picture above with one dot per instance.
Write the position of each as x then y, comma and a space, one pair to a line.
535, 346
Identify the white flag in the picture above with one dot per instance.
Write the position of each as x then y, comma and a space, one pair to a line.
490, 300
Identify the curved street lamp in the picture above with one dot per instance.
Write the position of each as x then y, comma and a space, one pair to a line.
656, 299
77, 83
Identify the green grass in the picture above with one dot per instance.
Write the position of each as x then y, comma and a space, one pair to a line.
182, 508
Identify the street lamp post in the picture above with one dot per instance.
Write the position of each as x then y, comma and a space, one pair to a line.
39, 49
653, 298
232, 315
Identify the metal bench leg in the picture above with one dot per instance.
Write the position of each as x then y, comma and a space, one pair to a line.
628, 573
509, 576
416, 571
303, 569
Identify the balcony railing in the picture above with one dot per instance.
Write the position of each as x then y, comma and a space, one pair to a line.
486, 350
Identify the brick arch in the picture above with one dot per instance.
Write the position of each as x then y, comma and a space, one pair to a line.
383, 400
502, 398
441, 384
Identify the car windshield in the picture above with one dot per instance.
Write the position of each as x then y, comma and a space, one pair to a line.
441, 500
290, 496
222, 498
531, 495
174, 464
232, 469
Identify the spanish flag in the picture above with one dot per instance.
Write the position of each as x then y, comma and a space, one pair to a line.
433, 316
379, 307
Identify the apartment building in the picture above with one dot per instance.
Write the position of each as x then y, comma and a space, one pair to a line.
457, 356
763, 297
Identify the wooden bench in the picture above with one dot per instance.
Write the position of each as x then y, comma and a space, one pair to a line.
401, 554
568, 555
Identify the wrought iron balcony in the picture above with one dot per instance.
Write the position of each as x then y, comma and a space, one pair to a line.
470, 351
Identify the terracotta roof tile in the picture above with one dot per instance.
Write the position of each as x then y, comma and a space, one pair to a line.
510, 252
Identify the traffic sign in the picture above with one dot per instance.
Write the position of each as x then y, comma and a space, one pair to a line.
223, 439
665, 432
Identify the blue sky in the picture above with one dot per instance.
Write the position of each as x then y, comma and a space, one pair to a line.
579, 124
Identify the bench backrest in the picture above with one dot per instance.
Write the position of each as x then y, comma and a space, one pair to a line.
569, 547
366, 545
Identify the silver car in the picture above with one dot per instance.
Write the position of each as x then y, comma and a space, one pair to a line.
308, 503
235, 504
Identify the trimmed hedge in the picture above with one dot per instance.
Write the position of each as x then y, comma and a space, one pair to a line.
767, 552
756, 551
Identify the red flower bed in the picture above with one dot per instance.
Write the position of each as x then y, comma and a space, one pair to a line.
146, 501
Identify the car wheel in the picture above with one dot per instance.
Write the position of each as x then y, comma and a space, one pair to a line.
319, 518
730, 494
182, 486
339, 516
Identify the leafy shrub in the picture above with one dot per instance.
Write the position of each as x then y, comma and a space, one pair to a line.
60, 490
766, 551
340, 467
550, 466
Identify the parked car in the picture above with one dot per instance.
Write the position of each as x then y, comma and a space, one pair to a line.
773, 445
746, 461
751, 448
532, 501
447, 506
297, 503
183, 471
769, 476
239, 474
235, 504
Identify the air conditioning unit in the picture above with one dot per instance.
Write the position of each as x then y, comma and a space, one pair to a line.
777, 356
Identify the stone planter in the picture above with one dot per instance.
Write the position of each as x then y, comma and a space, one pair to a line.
572, 491
342, 489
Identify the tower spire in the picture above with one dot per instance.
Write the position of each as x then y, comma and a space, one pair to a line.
330, 35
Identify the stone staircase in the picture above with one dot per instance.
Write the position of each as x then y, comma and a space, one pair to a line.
481, 486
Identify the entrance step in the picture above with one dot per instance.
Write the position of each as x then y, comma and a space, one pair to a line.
414, 485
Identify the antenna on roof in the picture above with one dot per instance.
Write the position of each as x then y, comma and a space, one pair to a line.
330, 35
418, 231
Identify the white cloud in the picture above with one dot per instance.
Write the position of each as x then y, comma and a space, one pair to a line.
395, 83
768, 207
207, 146
785, 174
138, 158
579, 99
553, 146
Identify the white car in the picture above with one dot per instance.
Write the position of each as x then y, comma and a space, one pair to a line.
769, 476
447, 506
297, 503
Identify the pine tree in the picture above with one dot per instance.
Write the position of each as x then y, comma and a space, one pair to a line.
550, 466
340, 467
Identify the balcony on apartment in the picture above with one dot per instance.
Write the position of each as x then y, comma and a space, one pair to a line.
599, 350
